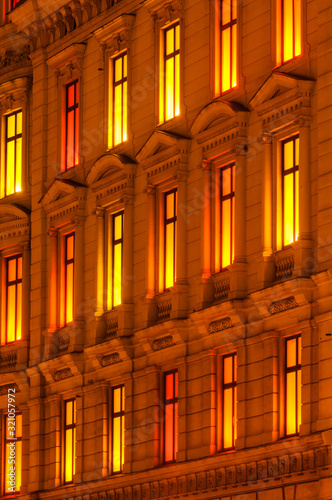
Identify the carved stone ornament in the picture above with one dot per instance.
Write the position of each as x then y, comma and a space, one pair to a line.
220, 324
13, 58
4, 389
62, 374
283, 305
162, 343
8, 359
110, 359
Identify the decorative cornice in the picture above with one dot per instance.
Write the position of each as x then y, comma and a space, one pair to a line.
283, 305
220, 324
163, 343
116, 35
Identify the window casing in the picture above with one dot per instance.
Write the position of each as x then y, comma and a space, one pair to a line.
69, 440
169, 105
170, 441
117, 429
290, 190
170, 237
68, 297
12, 432
228, 412
225, 45
227, 216
71, 125
115, 259
13, 298
118, 107
12, 173
289, 30
292, 385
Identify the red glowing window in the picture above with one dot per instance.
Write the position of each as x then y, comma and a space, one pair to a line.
69, 440
293, 386
11, 178
69, 277
228, 402
227, 214
12, 448
225, 46
71, 149
170, 416
289, 30
290, 190
13, 298
170, 242
118, 429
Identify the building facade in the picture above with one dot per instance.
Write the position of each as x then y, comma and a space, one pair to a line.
166, 249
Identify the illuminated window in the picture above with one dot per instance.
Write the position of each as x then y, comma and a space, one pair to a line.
170, 223
12, 174
69, 440
118, 429
71, 144
227, 214
115, 263
69, 277
170, 416
293, 385
290, 190
13, 298
225, 45
12, 447
289, 31
228, 402
118, 101
170, 73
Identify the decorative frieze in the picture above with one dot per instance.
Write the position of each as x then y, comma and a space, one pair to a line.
110, 359
283, 305
220, 324
5, 388
162, 343
8, 359
62, 374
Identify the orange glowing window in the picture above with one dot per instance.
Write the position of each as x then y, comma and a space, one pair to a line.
69, 440
115, 263
290, 190
289, 30
12, 453
118, 429
170, 444
71, 145
69, 277
170, 226
12, 175
170, 76
227, 215
293, 386
228, 421
13, 298
225, 45
118, 101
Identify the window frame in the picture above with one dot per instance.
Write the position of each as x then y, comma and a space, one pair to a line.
297, 368
110, 247
15, 282
68, 427
296, 189
166, 222
76, 124
113, 415
111, 99
14, 138
174, 401
19, 439
163, 73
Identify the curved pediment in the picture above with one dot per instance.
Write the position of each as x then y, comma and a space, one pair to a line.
215, 113
159, 142
13, 212
109, 165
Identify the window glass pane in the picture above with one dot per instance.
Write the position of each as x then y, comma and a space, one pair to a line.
169, 41
70, 292
70, 139
226, 60
169, 433
226, 233
18, 183
291, 352
177, 37
228, 418
125, 65
226, 181
118, 69
124, 113
18, 465
288, 155
10, 168
169, 260
170, 205
117, 114
117, 400
288, 209
176, 384
19, 122
288, 30
298, 400
70, 247
116, 444
299, 350
297, 27
117, 273
169, 386
226, 11
177, 85
11, 313
69, 455
71, 95
10, 126
291, 427
169, 88
297, 151
228, 369
69, 412
234, 13
118, 227
76, 137
12, 270
18, 425
19, 312
297, 217
234, 55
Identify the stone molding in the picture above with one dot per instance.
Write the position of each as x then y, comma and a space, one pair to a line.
4, 389
62, 374
220, 324
162, 343
110, 359
283, 305
8, 359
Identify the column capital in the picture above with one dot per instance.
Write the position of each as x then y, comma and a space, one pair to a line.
303, 121
52, 232
181, 176
265, 138
240, 149
206, 165
100, 212
151, 189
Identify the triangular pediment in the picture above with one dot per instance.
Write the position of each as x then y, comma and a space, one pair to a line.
216, 113
160, 145
62, 189
279, 86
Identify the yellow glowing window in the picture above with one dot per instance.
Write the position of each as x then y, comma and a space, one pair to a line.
289, 30
227, 215
170, 242
69, 440
225, 45
293, 386
12, 453
12, 175
170, 442
118, 429
290, 190
170, 77
69, 277
118, 101
13, 298
115, 263
71, 155
228, 402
